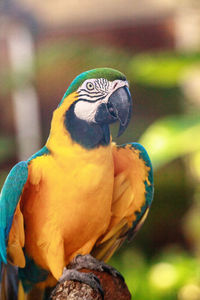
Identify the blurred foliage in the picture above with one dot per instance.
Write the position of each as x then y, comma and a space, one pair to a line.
81, 55
7, 152
162, 69
172, 137
164, 277
191, 223
6, 148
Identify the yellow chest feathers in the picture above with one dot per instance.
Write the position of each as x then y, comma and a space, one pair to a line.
71, 167
65, 196
70, 183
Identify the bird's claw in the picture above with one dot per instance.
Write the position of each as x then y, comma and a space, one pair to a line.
88, 278
112, 271
89, 262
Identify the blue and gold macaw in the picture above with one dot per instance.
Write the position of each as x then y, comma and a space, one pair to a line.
81, 193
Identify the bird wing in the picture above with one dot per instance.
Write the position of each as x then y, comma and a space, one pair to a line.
10, 214
132, 197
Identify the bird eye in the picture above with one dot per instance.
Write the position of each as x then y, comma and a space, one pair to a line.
90, 86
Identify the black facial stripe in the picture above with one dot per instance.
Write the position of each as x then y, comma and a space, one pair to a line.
92, 94
100, 83
83, 90
106, 84
96, 85
86, 100
89, 96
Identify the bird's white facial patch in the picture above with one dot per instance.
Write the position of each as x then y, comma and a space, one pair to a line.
92, 93
86, 110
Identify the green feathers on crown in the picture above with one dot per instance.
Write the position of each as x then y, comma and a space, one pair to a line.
107, 73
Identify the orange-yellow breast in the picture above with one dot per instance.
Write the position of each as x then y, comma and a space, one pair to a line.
66, 206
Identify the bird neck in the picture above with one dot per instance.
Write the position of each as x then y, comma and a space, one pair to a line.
67, 131
88, 135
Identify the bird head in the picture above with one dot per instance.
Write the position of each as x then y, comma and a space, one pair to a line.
93, 101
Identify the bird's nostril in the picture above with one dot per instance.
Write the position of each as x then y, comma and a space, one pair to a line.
115, 86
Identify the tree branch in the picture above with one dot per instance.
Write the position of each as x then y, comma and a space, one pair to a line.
114, 289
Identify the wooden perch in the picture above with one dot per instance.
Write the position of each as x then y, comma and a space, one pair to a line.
114, 289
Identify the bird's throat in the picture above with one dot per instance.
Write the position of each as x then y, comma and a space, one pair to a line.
88, 135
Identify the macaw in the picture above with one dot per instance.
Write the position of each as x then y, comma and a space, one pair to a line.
81, 193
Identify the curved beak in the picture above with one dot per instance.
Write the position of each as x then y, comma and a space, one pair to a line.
118, 107
120, 104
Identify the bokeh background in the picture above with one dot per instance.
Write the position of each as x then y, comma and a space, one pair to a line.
45, 44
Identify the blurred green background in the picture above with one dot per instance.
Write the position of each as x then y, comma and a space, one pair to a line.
157, 45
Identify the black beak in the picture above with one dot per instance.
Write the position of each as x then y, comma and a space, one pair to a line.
118, 107
120, 104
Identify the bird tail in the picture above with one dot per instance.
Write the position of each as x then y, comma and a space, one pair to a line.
11, 287
9, 282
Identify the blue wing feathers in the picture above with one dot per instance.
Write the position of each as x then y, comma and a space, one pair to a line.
2, 246
9, 199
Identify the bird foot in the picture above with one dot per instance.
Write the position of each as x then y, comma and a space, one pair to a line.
89, 262
88, 278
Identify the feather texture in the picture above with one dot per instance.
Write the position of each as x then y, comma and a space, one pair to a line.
132, 197
10, 196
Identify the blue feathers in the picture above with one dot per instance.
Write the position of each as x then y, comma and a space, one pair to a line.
31, 274
144, 155
43, 151
2, 246
9, 199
